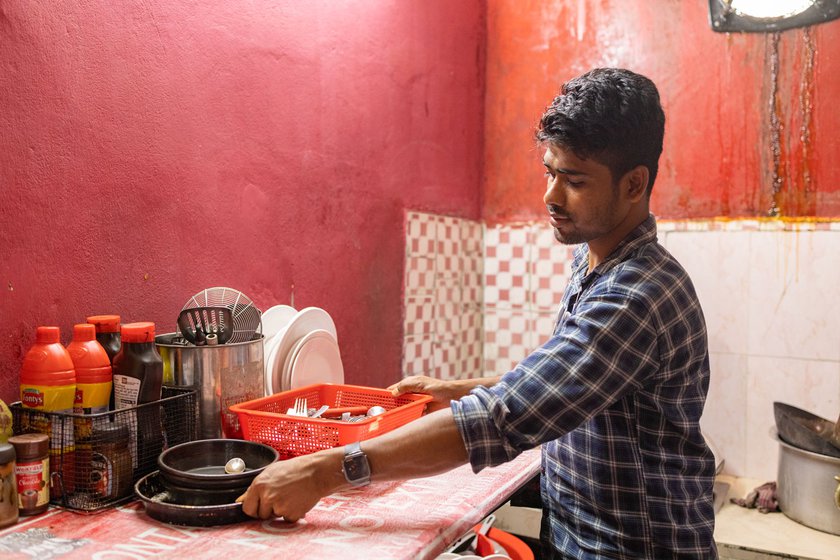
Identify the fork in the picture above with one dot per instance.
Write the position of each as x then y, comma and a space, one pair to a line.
299, 408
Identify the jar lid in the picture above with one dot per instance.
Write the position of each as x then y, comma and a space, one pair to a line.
110, 433
7, 453
30, 445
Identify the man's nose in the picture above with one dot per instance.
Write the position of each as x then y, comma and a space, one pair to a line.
554, 195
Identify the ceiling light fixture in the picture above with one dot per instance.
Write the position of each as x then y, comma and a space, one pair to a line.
769, 15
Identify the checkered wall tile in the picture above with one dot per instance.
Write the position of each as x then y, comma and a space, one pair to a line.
478, 299
443, 296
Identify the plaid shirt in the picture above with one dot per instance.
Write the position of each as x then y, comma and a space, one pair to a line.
615, 397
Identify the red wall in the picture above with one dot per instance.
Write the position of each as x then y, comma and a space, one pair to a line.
155, 149
729, 101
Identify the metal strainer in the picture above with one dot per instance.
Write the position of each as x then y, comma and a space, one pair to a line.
246, 318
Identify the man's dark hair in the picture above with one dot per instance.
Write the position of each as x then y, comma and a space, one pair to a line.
611, 115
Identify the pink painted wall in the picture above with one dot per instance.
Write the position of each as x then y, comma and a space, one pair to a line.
155, 149
729, 101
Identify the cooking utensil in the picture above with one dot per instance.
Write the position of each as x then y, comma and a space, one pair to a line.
299, 409
320, 411
201, 464
805, 430
338, 412
235, 466
196, 323
159, 505
806, 487
246, 318
221, 376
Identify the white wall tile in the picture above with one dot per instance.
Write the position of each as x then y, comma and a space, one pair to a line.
724, 421
794, 308
811, 385
716, 262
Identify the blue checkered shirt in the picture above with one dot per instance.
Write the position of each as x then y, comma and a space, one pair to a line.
615, 398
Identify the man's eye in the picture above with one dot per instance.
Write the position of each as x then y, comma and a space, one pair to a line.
574, 183
549, 174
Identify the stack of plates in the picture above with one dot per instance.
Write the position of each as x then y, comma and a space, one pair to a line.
301, 348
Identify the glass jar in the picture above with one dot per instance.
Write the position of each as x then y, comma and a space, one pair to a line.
111, 473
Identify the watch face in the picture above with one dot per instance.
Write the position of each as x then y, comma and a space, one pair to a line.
356, 468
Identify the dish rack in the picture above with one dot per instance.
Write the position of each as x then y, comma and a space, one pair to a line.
265, 420
74, 470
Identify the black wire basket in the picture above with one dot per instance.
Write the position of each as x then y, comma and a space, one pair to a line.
95, 459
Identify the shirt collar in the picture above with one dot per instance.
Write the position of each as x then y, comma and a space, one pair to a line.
643, 234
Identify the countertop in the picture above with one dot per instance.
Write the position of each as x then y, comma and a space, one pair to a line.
412, 519
743, 533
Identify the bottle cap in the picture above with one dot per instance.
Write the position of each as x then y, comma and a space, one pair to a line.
30, 445
7, 453
110, 433
89, 357
47, 335
105, 323
47, 362
83, 332
138, 332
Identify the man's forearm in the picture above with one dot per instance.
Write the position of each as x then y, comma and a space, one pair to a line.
427, 446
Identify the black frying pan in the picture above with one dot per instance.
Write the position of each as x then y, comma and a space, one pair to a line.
805, 430
156, 499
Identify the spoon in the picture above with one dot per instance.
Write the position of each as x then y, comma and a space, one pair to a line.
375, 411
235, 466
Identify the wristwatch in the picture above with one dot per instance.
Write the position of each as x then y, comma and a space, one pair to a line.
355, 466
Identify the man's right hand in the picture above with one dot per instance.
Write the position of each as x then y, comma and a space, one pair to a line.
441, 391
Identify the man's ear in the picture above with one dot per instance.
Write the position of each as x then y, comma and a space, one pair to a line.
636, 182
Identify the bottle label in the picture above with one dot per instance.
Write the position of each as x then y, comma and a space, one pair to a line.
32, 398
101, 475
33, 490
126, 391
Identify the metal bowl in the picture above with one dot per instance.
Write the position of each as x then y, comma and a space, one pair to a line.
201, 464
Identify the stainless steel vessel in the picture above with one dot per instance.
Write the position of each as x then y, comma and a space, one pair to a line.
222, 376
806, 487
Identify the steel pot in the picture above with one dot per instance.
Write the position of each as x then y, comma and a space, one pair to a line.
807, 487
222, 375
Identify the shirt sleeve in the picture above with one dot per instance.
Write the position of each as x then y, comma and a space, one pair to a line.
606, 348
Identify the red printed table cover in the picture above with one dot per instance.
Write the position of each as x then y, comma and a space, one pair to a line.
412, 519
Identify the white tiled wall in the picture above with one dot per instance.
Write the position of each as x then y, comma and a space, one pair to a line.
771, 295
478, 299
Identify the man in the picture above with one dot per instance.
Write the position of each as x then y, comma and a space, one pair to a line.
615, 395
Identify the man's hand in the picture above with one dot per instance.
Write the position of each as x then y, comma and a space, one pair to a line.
441, 391
290, 488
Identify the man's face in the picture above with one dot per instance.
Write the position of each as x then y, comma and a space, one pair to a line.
583, 201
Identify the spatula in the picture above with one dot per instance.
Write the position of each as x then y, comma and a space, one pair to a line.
196, 323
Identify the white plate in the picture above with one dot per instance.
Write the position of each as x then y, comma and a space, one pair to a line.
287, 363
304, 322
274, 319
316, 359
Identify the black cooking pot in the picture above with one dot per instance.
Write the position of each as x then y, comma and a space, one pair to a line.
200, 464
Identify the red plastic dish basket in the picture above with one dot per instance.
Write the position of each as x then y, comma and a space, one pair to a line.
265, 420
